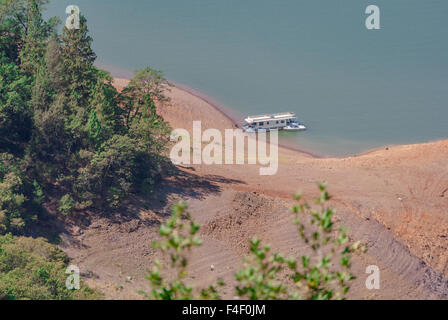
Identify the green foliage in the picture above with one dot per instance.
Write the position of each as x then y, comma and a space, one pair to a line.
78, 58
23, 31
95, 132
12, 202
179, 236
322, 274
66, 123
66, 205
259, 280
38, 193
53, 64
120, 167
105, 101
20, 199
15, 116
64, 129
34, 269
147, 82
35, 34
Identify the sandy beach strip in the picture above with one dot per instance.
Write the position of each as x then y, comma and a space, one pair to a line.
188, 105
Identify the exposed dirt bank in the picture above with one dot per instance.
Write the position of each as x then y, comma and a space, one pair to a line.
394, 199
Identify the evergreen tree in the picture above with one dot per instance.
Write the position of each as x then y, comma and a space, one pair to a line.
10, 39
54, 65
149, 127
34, 39
95, 130
40, 98
19, 196
48, 79
78, 58
15, 115
66, 124
104, 101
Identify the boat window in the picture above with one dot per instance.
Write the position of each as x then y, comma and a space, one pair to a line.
283, 121
267, 122
261, 123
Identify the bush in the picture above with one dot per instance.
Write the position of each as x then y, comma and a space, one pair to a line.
122, 166
178, 239
66, 205
267, 275
19, 198
35, 269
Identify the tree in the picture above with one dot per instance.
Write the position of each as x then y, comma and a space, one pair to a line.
138, 101
149, 127
78, 58
66, 205
10, 39
95, 131
145, 82
54, 65
104, 101
22, 27
65, 124
15, 114
35, 269
20, 198
34, 37
48, 77
121, 167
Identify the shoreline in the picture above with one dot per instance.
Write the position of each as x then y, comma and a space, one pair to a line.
393, 198
226, 113
221, 109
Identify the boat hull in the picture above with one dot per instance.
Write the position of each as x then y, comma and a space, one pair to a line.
288, 128
295, 128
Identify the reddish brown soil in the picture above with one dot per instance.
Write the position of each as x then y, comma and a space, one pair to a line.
394, 199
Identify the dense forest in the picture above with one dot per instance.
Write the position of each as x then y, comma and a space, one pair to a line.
67, 136
64, 129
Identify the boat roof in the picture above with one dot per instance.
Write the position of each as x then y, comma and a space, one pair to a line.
275, 116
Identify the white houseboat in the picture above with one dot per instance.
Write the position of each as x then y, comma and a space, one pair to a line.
280, 121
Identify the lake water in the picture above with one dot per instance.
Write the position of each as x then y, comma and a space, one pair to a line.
356, 89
